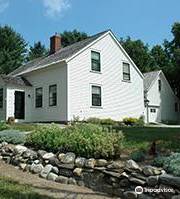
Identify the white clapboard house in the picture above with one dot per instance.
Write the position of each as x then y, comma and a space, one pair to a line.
162, 105
91, 78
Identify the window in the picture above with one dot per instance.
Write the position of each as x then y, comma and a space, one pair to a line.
1, 98
153, 110
39, 97
159, 84
176, 107
95, 61
96, 96
126, 71
53, 95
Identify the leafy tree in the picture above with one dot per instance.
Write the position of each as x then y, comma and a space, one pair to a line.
172, 49
12, 49
70, 37
160, 56
38, 50
139, 52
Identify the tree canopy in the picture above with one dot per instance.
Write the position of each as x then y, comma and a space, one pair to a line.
38, 50
12, 49
70, 37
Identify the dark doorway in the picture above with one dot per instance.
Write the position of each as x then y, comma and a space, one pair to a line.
19, 105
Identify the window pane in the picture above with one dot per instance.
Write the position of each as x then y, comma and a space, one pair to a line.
95, 55
126, 68
53, 95
1, 98
95, 61
39, 97
126, 71
96, 96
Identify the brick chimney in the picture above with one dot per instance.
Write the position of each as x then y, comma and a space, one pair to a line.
55, 43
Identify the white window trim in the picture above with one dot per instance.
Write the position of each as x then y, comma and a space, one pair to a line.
126, 62
99, 85
90, 68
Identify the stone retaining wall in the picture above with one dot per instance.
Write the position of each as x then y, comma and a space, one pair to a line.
114, 177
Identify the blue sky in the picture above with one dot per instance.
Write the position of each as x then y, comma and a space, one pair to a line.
149, 20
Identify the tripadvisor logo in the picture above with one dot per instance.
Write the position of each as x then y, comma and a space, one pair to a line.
139, 190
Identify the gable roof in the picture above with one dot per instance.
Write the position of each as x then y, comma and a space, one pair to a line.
20, 81
60, 55
150, 78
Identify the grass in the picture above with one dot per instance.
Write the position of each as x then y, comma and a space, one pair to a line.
142, 137
10, 189
23, 126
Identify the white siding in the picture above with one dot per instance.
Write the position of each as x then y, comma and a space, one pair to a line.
119, 99
55, 74
164, 99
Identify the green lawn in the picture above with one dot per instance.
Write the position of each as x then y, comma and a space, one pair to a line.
12, 190
23, 126
142, 137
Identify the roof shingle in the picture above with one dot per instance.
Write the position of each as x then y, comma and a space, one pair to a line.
62, 54
149, 78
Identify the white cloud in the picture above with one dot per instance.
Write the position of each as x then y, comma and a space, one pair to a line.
3, 5
55, 7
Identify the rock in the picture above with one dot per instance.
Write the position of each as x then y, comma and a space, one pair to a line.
77, 171
176, 197
52, 176
60, 156
46, 170
65, 166
41, 153
150, 171
124, 182
62, 179
132, 165
152, 180
90, 163
80, 162
72, 181
137, 181
116, 165
68, 158
36, 168
36, 161
137, 175
48, 156
170, 180
19, 149
111, 173
4, 144
54, 161
22, 166
130, 195
55, 170
80, 183
66, 172
29, 154
101, 163
1, 157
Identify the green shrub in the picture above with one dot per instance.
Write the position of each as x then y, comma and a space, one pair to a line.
170, 163
3, 126
138, 156
130, 121
87, 140
94, 120
12, 136
108, 121
140, 121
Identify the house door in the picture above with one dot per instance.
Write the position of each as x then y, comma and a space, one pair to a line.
19, 105
154, 114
